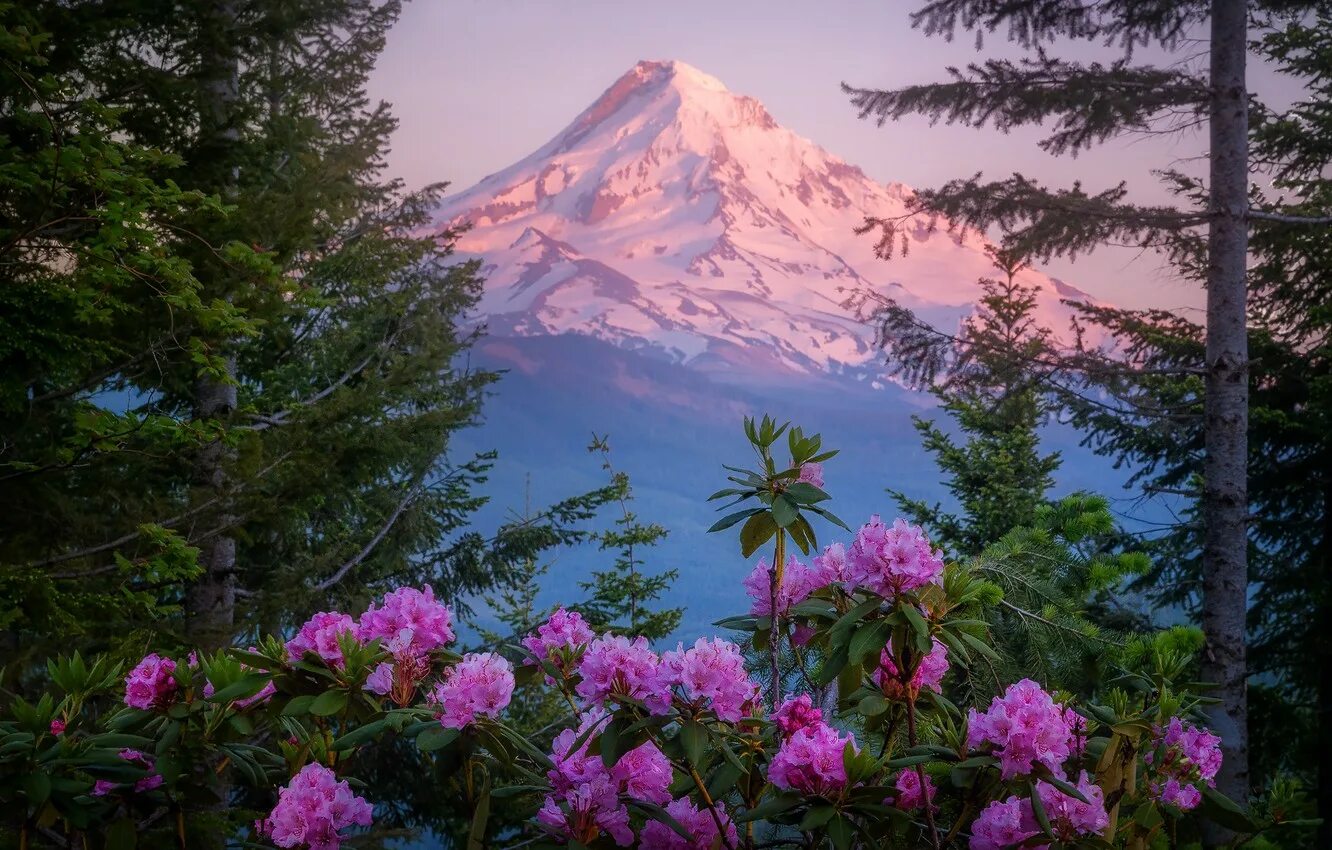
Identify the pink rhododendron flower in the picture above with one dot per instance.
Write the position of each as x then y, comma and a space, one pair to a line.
148, 783
380, 681
713, 670
584, 800
889, 561
831, 565
810, 761
930, 670
614, 666
797, 713
798, 582
1183, 756
811, 473
1004, 825
57, 726
102, 787
1069, 816
559, 639
644, 773
136, 757
313, 809
480, 684
151, 684
697, 821
410, 622
908, 795
320, 635
1024, 727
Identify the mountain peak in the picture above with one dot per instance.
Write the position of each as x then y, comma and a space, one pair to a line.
676, 216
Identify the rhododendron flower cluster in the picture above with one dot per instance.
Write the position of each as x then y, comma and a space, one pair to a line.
559, 639
480, 684
1184, 756
1004, 825
320, 635
614, 667
811, 473
929, 673
697, 821
810, 761
1071, 817
798, 582
1025, 727
713, 670
312, 811
889, 561
410, 622
909, 795
584, 799
797, 713
152, 683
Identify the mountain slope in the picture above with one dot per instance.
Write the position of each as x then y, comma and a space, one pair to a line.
679, 219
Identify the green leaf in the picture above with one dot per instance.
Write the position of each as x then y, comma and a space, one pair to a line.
1226, 812
329, 703
873, 705
360, 734
1038, 809
476, 839
773, 806
784, 511
298, 705
842, 833
694, 739
919, 626
804, 493
435, 738
818, 815
37, 787
869, 639
758, 530
731, 519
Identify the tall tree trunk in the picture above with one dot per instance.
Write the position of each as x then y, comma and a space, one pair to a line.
1225, 493
1321, 638
210, 603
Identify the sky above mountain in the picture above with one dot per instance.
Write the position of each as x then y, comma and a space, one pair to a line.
480, 84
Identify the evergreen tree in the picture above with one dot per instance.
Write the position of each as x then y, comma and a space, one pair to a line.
1085, 103
983, 381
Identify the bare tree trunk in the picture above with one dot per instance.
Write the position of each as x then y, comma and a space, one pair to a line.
210, 602
1322, 639
1225, 494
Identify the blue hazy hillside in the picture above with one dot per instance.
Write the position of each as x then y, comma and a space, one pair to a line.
671, 428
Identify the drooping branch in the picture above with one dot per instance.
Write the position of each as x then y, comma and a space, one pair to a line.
1090, 103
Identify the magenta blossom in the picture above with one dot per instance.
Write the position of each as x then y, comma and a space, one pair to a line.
586, 811
930, 670
698, 822
614, 667
320, 635
151, 684
810, 762
57, 726
313, 809
811, 473
889, 561
480, 684
410, 622
1024, 727
797, 713
1184, 756
559, 639
908, 795
644, 773
1005, 825
102, 787
1069, 816
798, 582
713, 670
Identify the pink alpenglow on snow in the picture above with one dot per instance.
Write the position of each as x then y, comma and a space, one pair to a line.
810, 762
930, 670
151, 684
320, 635
410, 622
559, 637
797, 713
1069, 816
798, 582
614, 667
480, 684
697, 821
1184, 756
811, 473
908, 795
713, 670
889, 561
1005, 825
1024, 727
312, 811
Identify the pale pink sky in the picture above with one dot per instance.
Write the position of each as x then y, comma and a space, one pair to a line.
479, 84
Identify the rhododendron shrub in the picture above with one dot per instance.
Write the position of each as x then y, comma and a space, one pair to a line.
872, 733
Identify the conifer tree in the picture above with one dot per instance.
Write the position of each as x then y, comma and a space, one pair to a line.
1085, 103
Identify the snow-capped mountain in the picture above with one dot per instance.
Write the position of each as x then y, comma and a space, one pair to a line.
675, 217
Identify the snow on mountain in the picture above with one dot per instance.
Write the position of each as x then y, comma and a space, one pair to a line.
676, 217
